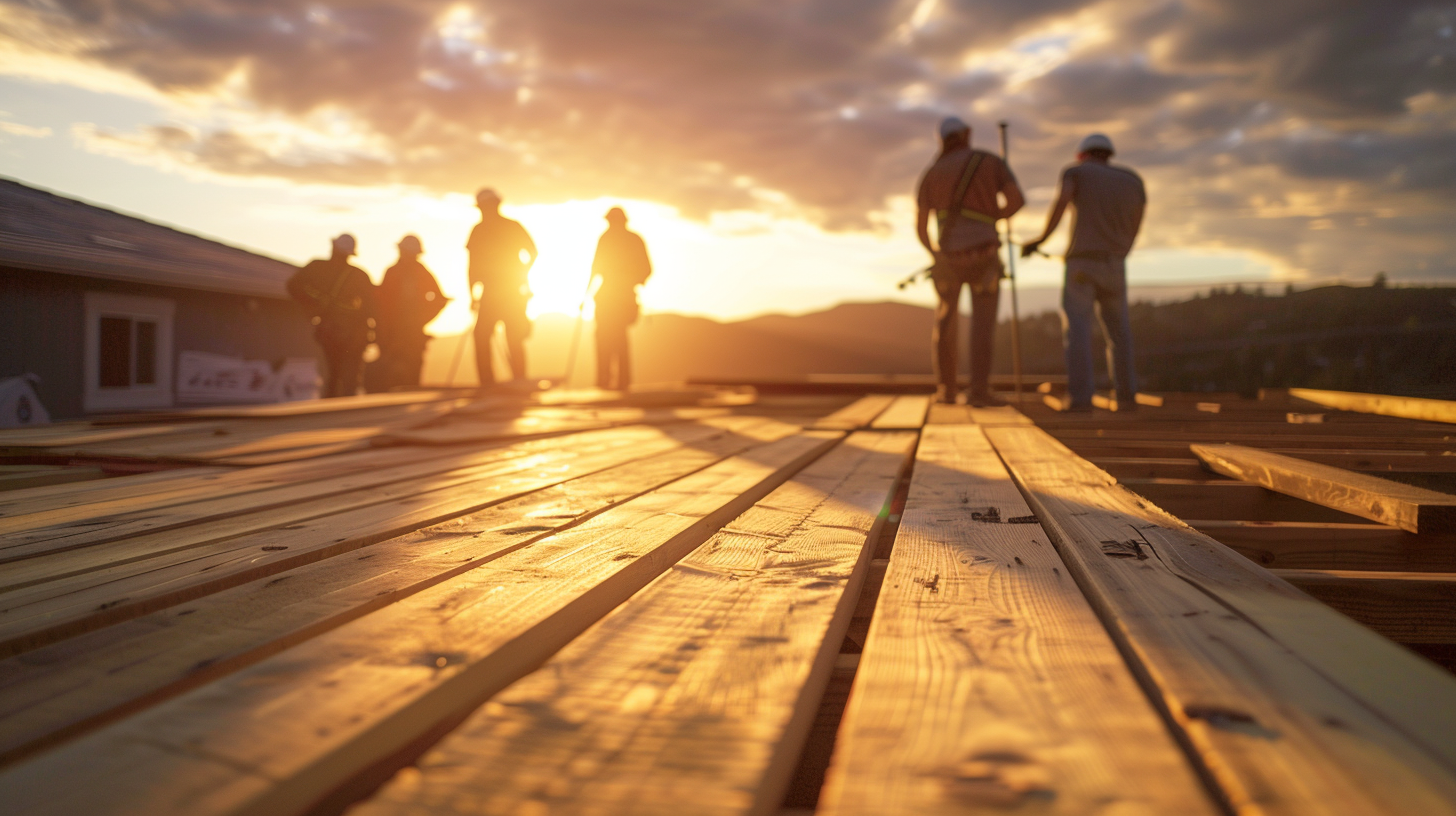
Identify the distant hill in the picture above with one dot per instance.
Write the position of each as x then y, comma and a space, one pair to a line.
1389, 340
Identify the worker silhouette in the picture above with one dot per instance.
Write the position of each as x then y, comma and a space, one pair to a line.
1108, 202
408, 298
621, 264
498, 287
339, 298
960, 188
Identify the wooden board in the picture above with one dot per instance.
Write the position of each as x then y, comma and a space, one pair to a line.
1407, 607
857, 414
1290, 707
24, 477
295, 408
101, 589
987, 684
69, 688
1230, 499
1317, 545
1400, 505
279, 736
541, 425
1428, 410
905, 413
698, 692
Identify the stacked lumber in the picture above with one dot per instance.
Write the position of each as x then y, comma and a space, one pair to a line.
588, 604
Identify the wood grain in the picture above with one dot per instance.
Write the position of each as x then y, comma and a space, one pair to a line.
905, 413
1427, 410
1289, 706
987, 683
701, 688
855, 415
280, 735
1400, 505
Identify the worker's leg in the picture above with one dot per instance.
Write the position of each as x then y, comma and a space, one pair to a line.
332, 363
518, 328
351, 370
604, 352
983, 339
624, 358
947, 318
484, 360
1112, 310
1078, 300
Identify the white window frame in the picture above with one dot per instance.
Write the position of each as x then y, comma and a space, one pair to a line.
133, 307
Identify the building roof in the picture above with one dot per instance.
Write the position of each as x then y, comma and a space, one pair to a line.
47, 232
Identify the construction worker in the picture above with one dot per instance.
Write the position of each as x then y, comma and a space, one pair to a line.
621, 264
339, 298
409, 297
1108, 201
501, 253
961, 189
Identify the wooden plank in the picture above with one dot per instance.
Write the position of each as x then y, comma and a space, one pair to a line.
540, 425
253, 511
1410, 508
987, 684
295, 408
1290, 707
1407, 607
702, 687
70, 688
905, 413
1373, 461
1229, 499
857, 414
1427, 410
347, 706
1315, 545
29, 476
173, 567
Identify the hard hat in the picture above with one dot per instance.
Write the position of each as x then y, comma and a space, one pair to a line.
410, 244
345, 243
1096, 141
617, 214
951, 125
487, 195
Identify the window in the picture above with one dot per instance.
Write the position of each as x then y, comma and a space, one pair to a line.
128, 354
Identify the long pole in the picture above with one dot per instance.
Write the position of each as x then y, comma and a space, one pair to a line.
576, 333
1011, 274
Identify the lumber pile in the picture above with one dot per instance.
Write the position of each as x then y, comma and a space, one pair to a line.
716, 603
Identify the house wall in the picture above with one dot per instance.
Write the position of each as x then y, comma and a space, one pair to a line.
41, 329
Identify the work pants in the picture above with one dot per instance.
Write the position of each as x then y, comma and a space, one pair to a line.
343, 368
985, 298
518, 328
614, 355
402, 362
1099, 285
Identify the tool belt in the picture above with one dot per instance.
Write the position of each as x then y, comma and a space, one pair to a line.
943, 215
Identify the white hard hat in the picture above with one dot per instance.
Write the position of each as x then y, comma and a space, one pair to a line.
951, 125
1096, 141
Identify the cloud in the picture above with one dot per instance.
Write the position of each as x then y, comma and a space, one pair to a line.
28, 131
1317, 131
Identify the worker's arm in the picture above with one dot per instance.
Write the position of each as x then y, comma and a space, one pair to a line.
1054, 218
922, 227
530, 247
1012, 193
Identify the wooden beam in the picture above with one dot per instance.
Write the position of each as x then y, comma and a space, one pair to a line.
1230, 499
61, 691
357, 702
1413, 509
1289, 707
1322, 545
702, 687
905, 413
1426, 410
1407, 607
187, 564
855, 415
25, 477
987, 682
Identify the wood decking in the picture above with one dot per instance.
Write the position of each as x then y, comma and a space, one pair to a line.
702, 602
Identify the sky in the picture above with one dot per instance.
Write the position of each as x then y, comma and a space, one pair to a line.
767, 150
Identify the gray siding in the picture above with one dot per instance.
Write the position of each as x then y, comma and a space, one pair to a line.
41, 328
